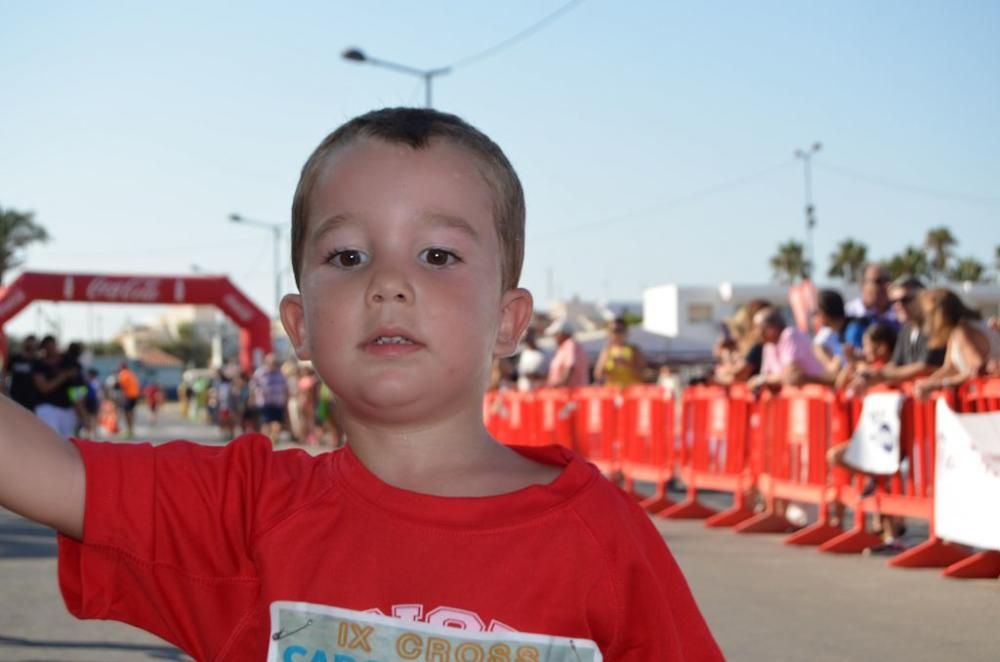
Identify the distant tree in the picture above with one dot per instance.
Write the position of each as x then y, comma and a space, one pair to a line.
106, 348
188, 347
911, 262
968, 269
939, 242
848, 261
789, 263
17, 230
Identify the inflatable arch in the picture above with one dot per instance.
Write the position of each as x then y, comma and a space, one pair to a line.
255, 327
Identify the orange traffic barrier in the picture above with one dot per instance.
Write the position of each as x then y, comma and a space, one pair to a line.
647, 433
554, 417
596, 426
799, 422
714, 438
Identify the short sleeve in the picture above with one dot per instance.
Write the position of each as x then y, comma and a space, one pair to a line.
854, 333
167, 537
660, 620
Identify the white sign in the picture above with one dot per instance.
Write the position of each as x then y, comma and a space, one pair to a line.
967, 478
874, 446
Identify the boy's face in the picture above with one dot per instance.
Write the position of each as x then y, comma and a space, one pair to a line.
400, 308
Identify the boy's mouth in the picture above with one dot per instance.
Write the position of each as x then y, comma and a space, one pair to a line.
392, 340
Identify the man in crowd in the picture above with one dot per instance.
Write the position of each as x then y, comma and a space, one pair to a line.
911, 357
788, 353
53, 376
21, 386
128, 383
873, 304
269, 393
569, 366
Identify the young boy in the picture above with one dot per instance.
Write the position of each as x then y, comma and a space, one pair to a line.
423, 539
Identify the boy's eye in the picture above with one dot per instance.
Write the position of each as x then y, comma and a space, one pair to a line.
438, 257
347, 259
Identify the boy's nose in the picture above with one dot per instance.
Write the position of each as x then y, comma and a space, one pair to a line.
386, 288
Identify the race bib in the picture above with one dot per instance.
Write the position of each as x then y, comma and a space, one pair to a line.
304, 632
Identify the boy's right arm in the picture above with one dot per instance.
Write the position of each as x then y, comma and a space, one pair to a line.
41, 474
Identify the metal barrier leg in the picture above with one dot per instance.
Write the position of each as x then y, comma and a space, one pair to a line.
933, 553
689, 508
658, 501
816, 533
735, 515
984, 565
766, 522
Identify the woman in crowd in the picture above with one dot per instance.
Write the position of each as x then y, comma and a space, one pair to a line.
620, 363
971, 344
740, 351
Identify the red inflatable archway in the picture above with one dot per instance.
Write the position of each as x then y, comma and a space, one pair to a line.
255, 327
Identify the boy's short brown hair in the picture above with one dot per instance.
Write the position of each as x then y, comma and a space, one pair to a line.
417, 127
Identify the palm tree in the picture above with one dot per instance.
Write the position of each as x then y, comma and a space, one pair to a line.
17, 230
968, 269
911, 262
939, 242
789, 263
848, 261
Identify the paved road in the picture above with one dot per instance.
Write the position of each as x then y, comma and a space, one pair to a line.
765, 602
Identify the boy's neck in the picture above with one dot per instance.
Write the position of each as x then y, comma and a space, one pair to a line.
454, 458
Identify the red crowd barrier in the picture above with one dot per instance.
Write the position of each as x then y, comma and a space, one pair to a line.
773, 448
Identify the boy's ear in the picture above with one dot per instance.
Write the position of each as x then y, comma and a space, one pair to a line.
516, 308
293, 318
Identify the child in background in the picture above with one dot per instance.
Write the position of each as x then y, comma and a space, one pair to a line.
423, 538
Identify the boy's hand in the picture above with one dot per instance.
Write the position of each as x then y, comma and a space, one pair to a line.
41, 474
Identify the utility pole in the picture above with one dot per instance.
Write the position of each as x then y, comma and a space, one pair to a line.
806, 156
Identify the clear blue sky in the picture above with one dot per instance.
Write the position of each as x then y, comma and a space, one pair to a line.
654, 139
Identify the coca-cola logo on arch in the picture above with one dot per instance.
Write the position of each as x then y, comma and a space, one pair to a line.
145, 290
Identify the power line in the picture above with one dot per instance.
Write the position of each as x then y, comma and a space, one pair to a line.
673, 202
510, 41
911, 188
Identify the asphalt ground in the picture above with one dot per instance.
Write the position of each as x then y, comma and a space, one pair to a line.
765, 601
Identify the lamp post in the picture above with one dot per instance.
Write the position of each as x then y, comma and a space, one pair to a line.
357, 55
806, 156
276, 230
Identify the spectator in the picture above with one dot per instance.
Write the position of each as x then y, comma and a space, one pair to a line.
569, 365
128, 383
153, 395
970, 343
91, 403
21, 385
53, 379
912, 357
788, 357
831, 323
619, 363
305, 403
532, 363
269, 390
874, 300
739, 350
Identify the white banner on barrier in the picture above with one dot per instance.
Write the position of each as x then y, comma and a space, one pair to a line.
967, 478
874, 446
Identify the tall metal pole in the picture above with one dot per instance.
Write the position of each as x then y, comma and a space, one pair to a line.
277, 270
806, 156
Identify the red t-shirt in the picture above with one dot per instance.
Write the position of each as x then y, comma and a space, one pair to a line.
227, 550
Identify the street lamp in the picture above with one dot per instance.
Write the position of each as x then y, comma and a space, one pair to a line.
806, 156
276, 230
357, 55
